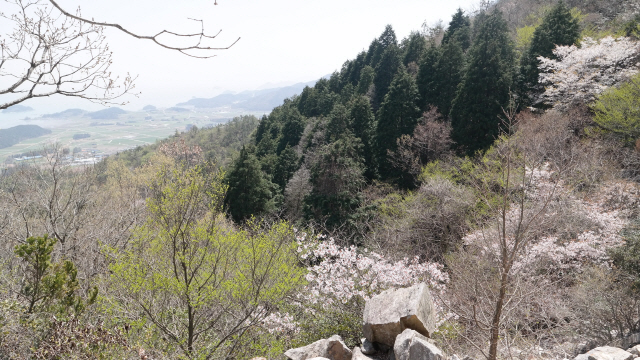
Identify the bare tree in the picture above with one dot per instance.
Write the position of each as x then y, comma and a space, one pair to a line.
50, 50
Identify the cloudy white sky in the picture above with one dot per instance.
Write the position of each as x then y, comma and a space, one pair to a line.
282, 41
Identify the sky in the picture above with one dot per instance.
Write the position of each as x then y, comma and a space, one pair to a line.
282, 42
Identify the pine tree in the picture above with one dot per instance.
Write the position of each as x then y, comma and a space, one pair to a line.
291, 129
398, 115
459, 30
366, 80
363, 122
427, 75
336, 179
249, 193
558, 27
286, 165
413, 48
377, 48
484, 90
447, 76
385, 72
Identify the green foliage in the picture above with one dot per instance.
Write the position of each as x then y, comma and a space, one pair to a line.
363, 126
250, 192
618, 109
219, 144
378, 46
559, 27
386, 70
293, 126
447, 76
325, 321
413, 47
48, 286
398, 116
484, 90
427, 76
286, 165
336, 178
627, 257
366, 80
459, 30
632, 27
197, 282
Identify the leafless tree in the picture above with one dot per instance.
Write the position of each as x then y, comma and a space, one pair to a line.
50, 50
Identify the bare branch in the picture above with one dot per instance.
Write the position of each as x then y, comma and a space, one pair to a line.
198, 37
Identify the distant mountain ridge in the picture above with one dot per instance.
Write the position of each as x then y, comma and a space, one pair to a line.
17, 108
13, 135
254, 100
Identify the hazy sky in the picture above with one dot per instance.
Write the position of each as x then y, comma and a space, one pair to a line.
282, 41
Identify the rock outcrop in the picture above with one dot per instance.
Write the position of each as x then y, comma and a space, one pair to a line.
332, 348
388, 314
606, 353
410, 345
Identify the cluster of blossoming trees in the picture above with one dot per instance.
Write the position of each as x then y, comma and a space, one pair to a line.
579, 74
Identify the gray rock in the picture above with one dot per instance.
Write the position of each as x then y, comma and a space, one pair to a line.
631, 340
389, 313
367, 347
608, 353
332, 348
358, 355
582, 357
411, 345
634, 350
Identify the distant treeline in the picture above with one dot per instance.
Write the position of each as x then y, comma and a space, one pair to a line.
81, 136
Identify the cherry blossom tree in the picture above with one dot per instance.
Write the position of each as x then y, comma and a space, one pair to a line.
579, 74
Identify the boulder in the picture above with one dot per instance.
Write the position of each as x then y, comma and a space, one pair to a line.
359, 355
367, 347
609, 353
634, 350
410, 345
389, 313
332, 348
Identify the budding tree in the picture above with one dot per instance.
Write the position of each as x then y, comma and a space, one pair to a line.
48, 50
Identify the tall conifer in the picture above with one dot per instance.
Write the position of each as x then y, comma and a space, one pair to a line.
484, 90
398, 115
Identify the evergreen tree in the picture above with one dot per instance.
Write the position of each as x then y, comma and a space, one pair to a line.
413, 48
398, 116
427, 76
286, 165
336, 179
353, 68
363, 122
338, 124
459, 30
378, 47
484, 90
366, 80
558, 27
385, 72
249, 193
447, 74
291, 129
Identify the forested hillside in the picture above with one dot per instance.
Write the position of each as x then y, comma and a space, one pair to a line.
495, 159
